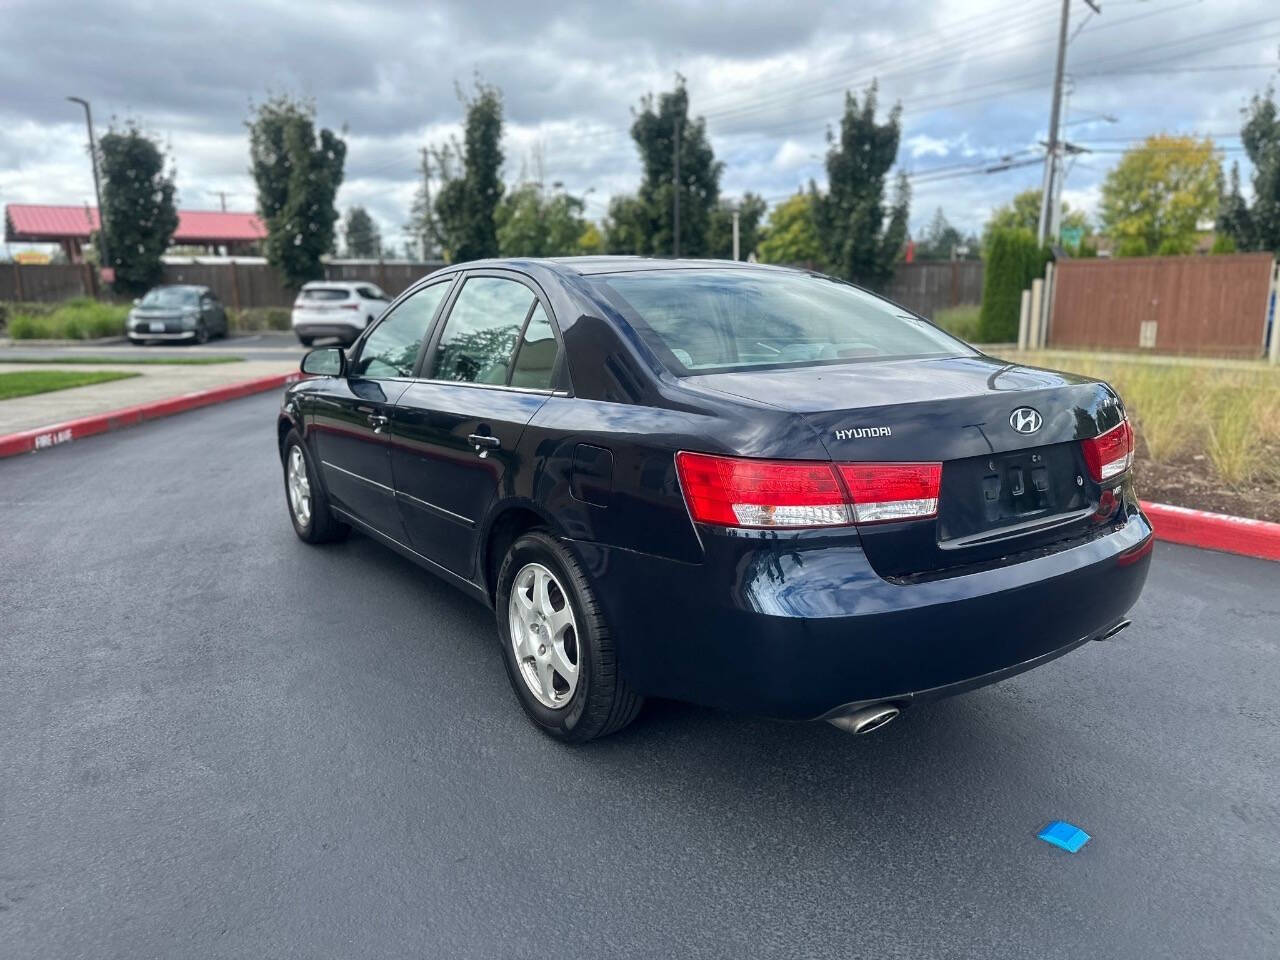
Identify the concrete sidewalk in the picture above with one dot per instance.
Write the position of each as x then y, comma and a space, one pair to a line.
155, 382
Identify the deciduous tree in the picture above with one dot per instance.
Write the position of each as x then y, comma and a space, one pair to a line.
1023, 212
297, 176
750, 209
535, 222
1154, 197
791, 236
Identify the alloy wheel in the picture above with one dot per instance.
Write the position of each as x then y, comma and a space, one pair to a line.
544, 635
299, 487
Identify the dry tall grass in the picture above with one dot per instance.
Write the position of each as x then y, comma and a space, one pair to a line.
1231, 415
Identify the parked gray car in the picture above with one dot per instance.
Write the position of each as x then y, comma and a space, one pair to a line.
179, 312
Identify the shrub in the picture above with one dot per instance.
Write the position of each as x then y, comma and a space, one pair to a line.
1013, 261
78, 319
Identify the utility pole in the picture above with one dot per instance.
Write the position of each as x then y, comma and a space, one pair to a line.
675, 196
735, 235
104, 258
222, 196
1052, 161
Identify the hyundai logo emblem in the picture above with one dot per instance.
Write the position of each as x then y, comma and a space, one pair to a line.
1025, 420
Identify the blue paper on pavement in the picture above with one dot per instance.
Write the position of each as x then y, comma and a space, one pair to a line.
1065, 835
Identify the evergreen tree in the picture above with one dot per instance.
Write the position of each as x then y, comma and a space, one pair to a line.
140, 214
363, 240
1261, 138
1013, 261
471, 181
860, 238
651, 226
297, 177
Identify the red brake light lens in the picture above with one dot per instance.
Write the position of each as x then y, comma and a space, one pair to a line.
737, 492
892, 491
1109, 454
734, 492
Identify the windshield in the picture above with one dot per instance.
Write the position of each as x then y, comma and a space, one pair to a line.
701, 321
171, 297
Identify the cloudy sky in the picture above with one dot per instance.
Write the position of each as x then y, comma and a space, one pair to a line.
973, 76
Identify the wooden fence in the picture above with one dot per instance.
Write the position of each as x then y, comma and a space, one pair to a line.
928, 286
1215, 305
239, 285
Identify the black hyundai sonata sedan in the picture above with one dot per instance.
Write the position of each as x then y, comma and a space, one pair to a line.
754, 488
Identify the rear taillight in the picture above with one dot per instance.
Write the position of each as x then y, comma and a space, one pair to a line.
1109, 454
733, 492
737, 492
892, 491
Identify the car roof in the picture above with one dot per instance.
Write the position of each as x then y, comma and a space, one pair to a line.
592, 265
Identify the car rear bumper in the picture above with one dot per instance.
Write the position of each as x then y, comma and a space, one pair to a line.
803, 627
141, 335
330, 328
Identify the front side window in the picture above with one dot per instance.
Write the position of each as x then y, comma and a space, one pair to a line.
710, 320
391, 350
481, 332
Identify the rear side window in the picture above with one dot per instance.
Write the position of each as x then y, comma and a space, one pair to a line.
391, 350
714, 320
481, 332
324, 293
535, 364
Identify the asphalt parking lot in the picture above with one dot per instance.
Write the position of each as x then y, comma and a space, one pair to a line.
219, 742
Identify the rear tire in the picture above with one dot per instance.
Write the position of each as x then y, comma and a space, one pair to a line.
308, 504
306, 341
585, 698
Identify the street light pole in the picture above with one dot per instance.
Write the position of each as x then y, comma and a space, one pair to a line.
104, 258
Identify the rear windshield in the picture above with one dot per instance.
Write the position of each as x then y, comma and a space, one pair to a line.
324, 293
171, 297
702, 321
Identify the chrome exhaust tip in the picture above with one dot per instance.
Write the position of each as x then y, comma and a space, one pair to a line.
866, 719
1116, 629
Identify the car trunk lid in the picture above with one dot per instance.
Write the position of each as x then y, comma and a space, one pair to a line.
1002, 489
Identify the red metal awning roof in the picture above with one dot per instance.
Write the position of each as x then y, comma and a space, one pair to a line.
36, 223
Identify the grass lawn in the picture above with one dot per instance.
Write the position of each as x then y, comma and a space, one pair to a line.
1207, 437
961, 321
127, 359
24, 383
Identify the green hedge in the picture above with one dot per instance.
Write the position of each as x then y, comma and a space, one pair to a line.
1013, 261
256, 319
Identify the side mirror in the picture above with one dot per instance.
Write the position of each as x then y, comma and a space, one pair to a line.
325, 362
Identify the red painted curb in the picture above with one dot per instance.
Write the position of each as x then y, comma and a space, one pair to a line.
42, 438
1214, 531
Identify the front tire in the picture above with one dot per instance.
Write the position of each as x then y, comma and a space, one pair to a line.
558, 651
202, 333
308, 504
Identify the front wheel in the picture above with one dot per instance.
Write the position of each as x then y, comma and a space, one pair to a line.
313, 521
202, 332
557, 648
306, 341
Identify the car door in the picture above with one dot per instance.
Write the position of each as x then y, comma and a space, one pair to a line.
350, 415
494, 359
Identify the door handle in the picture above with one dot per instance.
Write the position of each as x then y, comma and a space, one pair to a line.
378, 422
484, 442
